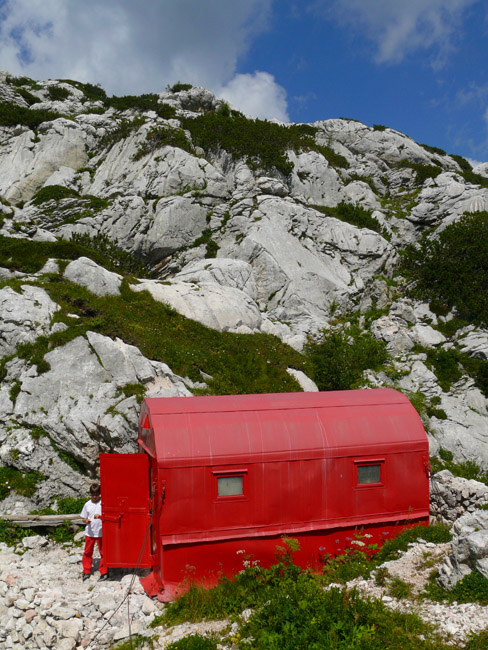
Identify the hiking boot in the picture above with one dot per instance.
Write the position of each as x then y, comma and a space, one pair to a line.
85, 576
104, 577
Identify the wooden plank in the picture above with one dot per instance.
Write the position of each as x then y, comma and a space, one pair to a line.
32, 521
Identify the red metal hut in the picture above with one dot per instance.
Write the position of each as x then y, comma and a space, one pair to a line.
218, 475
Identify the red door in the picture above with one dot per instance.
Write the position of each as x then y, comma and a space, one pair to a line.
124, 480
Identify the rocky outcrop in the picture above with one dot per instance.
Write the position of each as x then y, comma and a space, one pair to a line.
469, 549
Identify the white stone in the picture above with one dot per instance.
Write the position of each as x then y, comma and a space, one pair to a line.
95, 278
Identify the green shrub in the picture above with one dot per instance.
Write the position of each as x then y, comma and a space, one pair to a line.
422, 172
29, 97
58, 93
445, 365
162, 137
462, 162
30, 256
112, 256
11, 115
262, 143
303, 615
142, 103
11, 534
467, 172
436, 150
453, 268
70, 505
53, 193
23, 81
339, 357
93, 92
178, 87
355, 215
398, 588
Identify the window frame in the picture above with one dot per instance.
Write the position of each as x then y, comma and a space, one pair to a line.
230, 473
366, 462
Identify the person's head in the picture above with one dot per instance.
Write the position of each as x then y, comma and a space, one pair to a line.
95, 492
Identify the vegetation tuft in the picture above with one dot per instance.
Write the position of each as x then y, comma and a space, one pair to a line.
141, 103
466, 469
263, 144
13, 480
58, 93
291, 609
161, 137
30, 256
422, 172
356, 215
339, 357
453, 268
11, 115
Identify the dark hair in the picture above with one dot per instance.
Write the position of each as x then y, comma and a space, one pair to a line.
95, 489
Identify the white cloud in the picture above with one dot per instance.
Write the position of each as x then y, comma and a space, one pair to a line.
257, 94
128, 46
399, 27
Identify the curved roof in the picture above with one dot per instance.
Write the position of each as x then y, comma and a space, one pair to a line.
184, 431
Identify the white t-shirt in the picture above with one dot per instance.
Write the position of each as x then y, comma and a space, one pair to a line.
94, 528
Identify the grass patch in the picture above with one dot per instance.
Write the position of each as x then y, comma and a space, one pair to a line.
134, 390
13, 480
473, 588
193, 642
238, 363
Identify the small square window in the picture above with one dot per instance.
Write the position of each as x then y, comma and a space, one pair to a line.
229, 486
369, 474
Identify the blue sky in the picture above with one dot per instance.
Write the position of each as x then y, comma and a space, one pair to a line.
419, 66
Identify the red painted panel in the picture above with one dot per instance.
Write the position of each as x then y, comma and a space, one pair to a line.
124, 480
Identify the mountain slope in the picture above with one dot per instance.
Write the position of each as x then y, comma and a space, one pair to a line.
166, 244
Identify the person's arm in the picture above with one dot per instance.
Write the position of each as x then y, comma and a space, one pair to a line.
84, 518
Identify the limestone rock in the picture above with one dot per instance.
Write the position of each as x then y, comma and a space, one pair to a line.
223, 308
25, 316
95, 278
